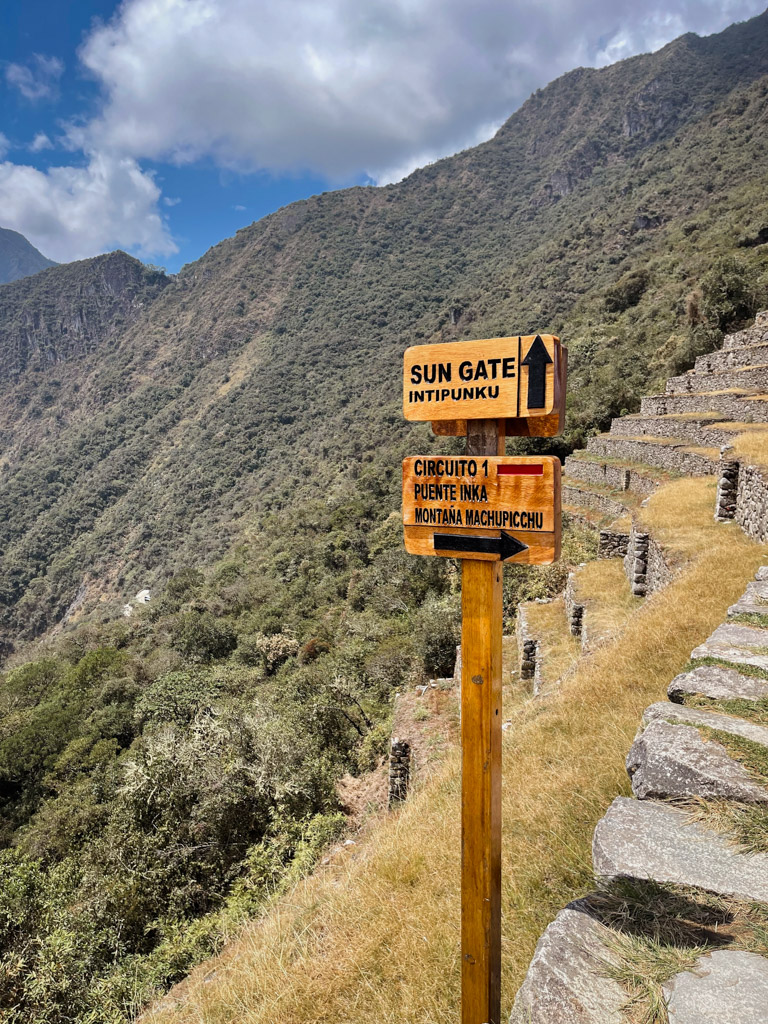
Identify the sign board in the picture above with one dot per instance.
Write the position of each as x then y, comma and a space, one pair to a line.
495, 508
487, 509
498, 378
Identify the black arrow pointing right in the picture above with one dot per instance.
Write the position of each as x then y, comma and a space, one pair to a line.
537, 360
506, 546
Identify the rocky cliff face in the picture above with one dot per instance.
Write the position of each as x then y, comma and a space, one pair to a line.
67, 311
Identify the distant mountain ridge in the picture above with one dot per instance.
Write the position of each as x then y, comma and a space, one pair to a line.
146, 423
18, 257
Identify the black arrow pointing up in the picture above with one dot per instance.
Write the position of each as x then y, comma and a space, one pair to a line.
536, 361
505, 546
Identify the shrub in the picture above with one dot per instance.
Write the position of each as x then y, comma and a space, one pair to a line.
200, 637
436, 630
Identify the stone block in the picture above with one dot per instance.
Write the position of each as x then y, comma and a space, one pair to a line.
566, 982
743, 645
725, 987
647, 840
675, 713
754, 600
673, 761
718, 684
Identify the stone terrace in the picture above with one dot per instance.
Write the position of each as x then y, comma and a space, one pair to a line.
687, 766
680, 432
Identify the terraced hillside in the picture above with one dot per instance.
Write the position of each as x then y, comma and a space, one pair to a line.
683, 432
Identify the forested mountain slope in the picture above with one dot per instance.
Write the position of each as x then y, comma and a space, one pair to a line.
18, 257
145, 423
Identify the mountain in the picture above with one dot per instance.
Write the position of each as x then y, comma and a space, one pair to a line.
148, 423
18, 257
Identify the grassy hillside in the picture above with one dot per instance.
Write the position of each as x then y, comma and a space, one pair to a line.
622, 208
18, 257
374, 937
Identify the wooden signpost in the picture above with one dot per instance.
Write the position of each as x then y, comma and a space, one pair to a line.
486, 509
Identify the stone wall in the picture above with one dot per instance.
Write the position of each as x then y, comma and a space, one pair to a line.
527, 649
727, 489
752, 502
674, 457
399, 770
644, 563
612, 544
616, 477
597, 502
695, 431
605, 474
721, 380
729, 406
574, 610
755, 335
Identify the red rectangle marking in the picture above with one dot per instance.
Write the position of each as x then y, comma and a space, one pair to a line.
521, 470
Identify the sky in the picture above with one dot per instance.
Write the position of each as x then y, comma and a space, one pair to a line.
162, 126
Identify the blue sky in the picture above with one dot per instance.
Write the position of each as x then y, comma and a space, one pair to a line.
163, 126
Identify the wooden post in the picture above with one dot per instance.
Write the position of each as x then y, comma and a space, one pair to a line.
481, 608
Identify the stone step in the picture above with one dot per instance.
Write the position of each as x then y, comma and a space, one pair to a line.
727, 986
754, 600
741, 645
647, 840
726, 359
671, 759
664, 710
751, 336
566, 982
739, 405
667, 453
747, 377
697, 430
582, 497
615, 476
718, 684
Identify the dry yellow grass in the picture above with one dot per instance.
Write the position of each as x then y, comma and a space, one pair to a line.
373, 939
752, 446
559, 649
602, 586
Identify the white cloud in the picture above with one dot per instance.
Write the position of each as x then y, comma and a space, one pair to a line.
40, 142
73, 212
341, 86
38, 79
336, 87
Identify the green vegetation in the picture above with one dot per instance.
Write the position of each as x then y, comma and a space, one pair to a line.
168, 773
755, 710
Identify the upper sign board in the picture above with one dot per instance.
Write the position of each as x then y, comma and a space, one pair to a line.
497, 378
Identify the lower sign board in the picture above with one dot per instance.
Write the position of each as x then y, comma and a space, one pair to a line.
495, 508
